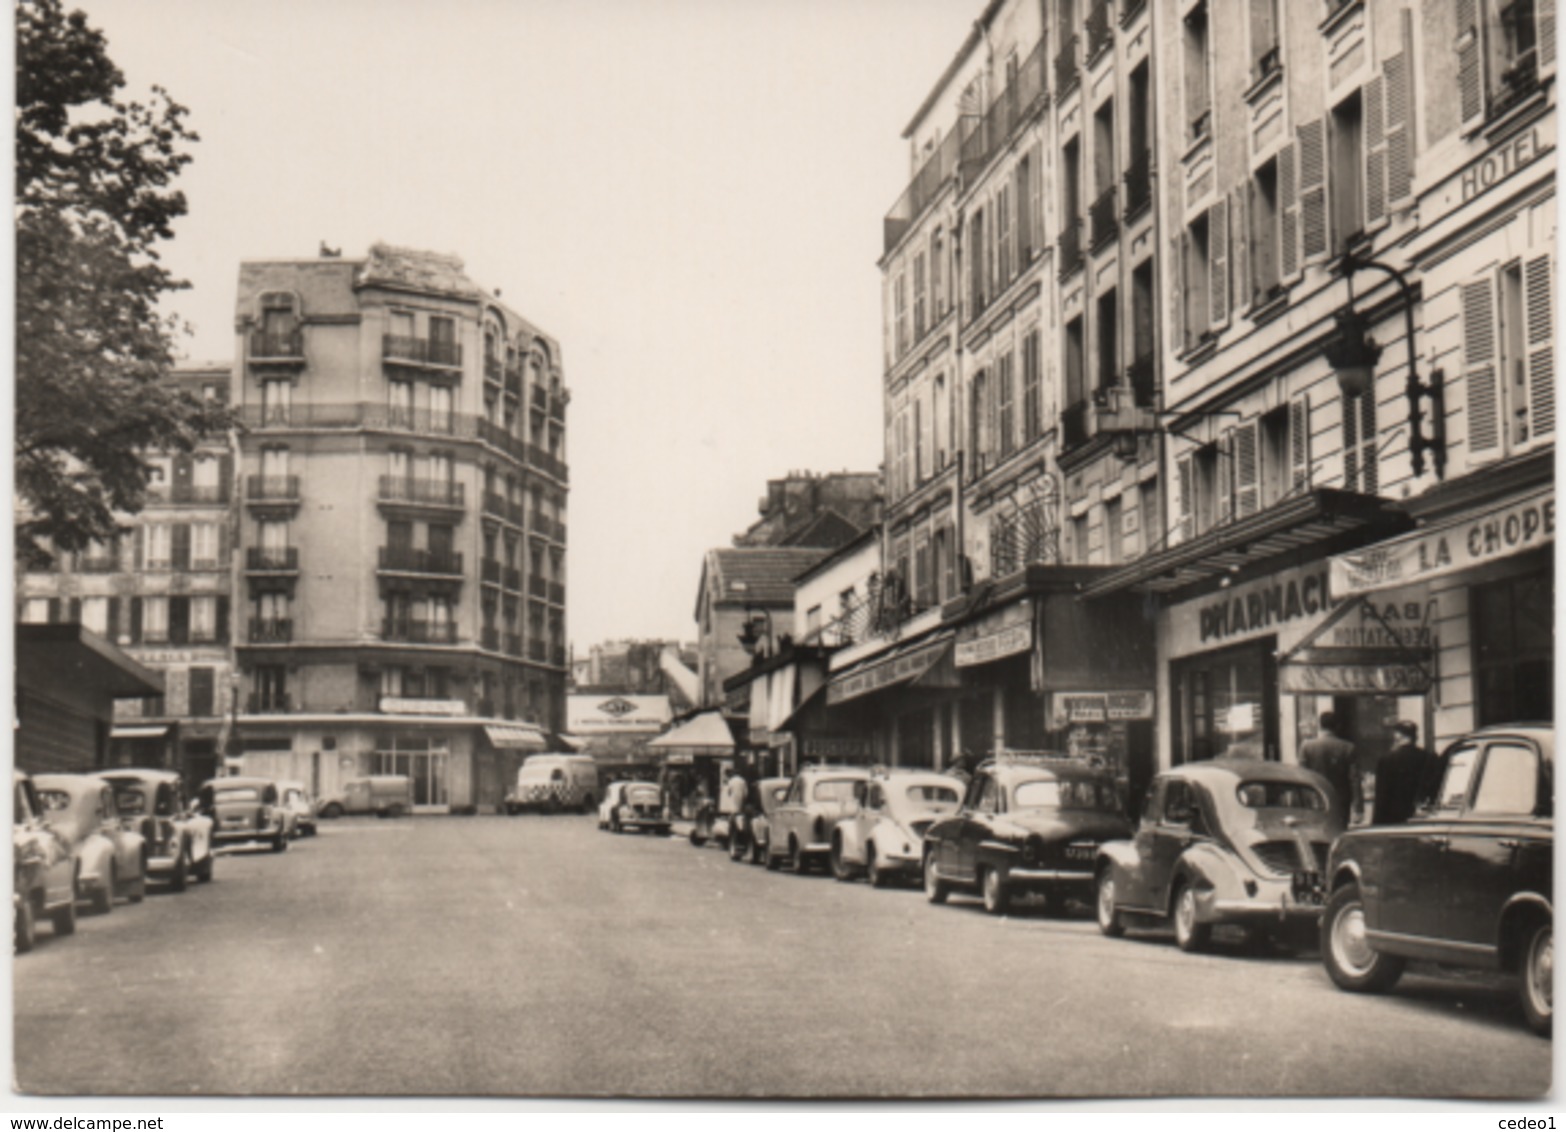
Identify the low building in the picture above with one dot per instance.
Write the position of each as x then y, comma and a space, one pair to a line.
68, 680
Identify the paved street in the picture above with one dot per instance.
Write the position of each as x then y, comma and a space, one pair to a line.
536, 955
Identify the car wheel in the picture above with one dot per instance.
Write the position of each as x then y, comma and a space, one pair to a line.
1346, 951
1537, 978
65, 918
26, 934
614, 822
997, 895
333, 810
138, 891
773, 863
758, 853
936, 890
103, 899
204, 870
736, 846
1109, 921
181, 863
796, 858
874, 873
1190, 933
841, 869
279, 843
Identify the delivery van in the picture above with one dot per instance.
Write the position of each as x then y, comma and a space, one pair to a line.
384, 795
555, 782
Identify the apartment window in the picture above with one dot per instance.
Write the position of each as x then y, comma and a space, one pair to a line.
1274, 452
206, 475
1346, 184
978, 423
920, 309
924, 574
1502, 53
1144, 347
271, 687
440, 408
277, 318
1204, 495
203, 618
276, 397
1513, 649
1003, 237
1004, 393
1197, 281
1360, 441
1198, 99
155, 619
443, 340
204, 546
1032, 391
943, 564
273, 536
918, 441
1266, 56
1071, 182
941, 412
1079, 539
1114, 547
1509, 356
1108, 342
938, 274
203, 692
95, 615
158, 542
900, 299
976, 244
274, 462
1266, 234
1027, 218
399, 399
35, 611
1104, 149
1076, 377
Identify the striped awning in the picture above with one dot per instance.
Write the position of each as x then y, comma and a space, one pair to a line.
516, 737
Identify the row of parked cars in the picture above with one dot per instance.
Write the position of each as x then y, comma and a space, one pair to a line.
91, 839
1258, 847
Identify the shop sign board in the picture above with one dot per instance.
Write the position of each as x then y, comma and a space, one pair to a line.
399, 705
1005, 632
884, 674
1100, 707
1260, 607
1497, 533
1348, 679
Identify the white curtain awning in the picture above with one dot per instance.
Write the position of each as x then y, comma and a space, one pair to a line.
516, 737
139, 732
780, 699
707, 733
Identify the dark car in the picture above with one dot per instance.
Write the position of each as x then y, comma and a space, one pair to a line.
1028, 824
1228, 841
1466, 882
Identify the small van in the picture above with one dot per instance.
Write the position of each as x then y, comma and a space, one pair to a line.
555, 782
384, 795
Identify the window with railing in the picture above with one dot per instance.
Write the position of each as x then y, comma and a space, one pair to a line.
1100, 29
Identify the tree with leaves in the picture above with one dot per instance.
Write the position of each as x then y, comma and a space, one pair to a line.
94, 198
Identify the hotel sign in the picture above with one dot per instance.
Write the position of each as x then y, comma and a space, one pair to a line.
1501, 162
1006, 632
1522, 526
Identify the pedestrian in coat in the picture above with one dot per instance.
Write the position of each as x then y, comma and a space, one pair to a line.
1334, 759
1403, 777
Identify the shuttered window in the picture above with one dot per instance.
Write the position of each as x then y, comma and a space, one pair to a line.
1480, 362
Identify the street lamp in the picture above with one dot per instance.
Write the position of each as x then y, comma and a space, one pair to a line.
1352, 355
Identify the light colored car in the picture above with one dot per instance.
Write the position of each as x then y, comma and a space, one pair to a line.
884, 838
552, 783
110, 859
43, 868
245, 809
758, 825
801, 827
179, 840
297, 804
384, 795
632, 805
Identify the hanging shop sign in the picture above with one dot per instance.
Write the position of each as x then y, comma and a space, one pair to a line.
1100, 707
1461, 545
1005, 632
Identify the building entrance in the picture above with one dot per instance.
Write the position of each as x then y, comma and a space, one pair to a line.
426, 770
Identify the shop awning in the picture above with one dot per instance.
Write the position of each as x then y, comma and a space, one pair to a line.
706, 733
1295, 524
149, 732
905, 665
1371, 657
516, 737
793, 719
1472, 539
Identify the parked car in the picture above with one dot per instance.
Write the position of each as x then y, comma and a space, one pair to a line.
884, 837
384, 795
758, 825
179, 840
552, 783
110, 859
1467, 882
800, 828
297, 804
1228, 841
43, 869
1028, 824
245, 809
632, 805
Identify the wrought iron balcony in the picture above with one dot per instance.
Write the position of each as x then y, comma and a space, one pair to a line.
1102, 219
360, 414
271, 630
277, 346
272, 489
418, 560
1070, 248
405, 350
1139, 184
419, 632
1100, 30
267, 703
1074, 425
1014, 104
494, 504
1067, 70
276, 559
936, 172
547, 463
97, 564
427, 493
187, 493
489, 571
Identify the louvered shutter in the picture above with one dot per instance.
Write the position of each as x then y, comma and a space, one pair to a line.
222, 619
138, 551
1177, 325
1399, 130
181, 541
1288, 215
114, 633
1218, 263
1479, 366
226, 477
1538, 321
1470, 64
1187, 474
1247, 477
1224, 473
1313, 190
1375, 151
1299, 444
1544, 31
1036, 200
1240, 244
135, 621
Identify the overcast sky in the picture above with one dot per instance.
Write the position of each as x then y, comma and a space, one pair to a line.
688, 194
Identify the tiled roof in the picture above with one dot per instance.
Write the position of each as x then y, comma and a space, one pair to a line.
759, 573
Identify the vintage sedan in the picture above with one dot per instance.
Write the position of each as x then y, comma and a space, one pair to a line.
179, 841
1028, 824
758, 823
244, 810
800, 829
110, 859
296, 803
1467, 882
43, 869
1228, 841
632, 805
884, 838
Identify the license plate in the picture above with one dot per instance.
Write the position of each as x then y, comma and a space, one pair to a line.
1080, 852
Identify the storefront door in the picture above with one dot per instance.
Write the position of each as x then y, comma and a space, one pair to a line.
425, 770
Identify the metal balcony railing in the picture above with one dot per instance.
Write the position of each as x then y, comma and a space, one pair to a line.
269, 489
546, 462
262, 558
494, 504
271, 630
1014, 104
359, 414
283, 345
1070, 248
419, 632
1103, 221
1067, 70
187, 493
432, 493
266, 703
489, 570
97, 564
937, 170
418, 560
420, 351
1139, 183
1074, 425
1100, 30
1142, 376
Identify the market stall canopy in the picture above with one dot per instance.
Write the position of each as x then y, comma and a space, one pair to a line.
706, 733
516, 737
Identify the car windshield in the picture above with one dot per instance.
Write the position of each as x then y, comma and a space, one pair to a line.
1064, 793
130, 802
1281, 795
833, 790
238, 794
54, 801
929, 794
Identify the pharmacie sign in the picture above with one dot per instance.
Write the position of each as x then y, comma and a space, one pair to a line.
1461, 545
1006, 632
1261, 606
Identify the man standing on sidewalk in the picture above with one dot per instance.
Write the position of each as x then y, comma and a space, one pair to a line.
1334, 759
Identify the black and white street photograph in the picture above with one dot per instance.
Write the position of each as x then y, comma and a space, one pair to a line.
646, 553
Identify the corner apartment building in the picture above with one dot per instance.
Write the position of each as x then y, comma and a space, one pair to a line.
402, 526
